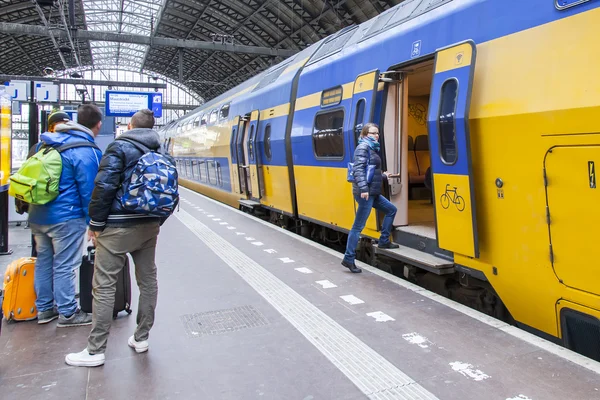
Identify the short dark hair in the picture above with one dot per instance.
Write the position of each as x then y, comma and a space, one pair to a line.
143, 119
88, 115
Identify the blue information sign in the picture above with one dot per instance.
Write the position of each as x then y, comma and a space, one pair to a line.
125, 104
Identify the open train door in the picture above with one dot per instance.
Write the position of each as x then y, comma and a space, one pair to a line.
363, 107
234, 156
254, 161
241, 155
448, 123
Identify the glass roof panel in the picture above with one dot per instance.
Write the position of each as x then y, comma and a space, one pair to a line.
121, 16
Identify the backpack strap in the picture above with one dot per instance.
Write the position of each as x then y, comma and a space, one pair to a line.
64, 147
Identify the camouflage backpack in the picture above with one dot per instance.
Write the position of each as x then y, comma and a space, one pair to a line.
152, 188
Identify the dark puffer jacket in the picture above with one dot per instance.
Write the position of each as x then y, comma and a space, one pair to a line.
362, 155
116, 165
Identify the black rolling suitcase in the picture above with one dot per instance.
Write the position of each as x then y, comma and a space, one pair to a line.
86, 274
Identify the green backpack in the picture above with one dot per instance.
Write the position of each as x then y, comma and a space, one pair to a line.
36, 182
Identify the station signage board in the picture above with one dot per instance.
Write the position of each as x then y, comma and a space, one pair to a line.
125, 104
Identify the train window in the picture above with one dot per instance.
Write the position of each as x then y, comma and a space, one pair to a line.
251, 144
199, 170
203, 119
197, 122
328, 134
564, 4
382, 20
194, 169
213, 117
178, 128
212, 173
267, 142
219, 173
224, 113
446, 121
334, 44
358, 120
184, 167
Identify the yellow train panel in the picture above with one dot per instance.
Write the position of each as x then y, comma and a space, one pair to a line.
277, 188
231, 199
323, 194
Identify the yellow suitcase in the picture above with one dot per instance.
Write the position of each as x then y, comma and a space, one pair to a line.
19, 292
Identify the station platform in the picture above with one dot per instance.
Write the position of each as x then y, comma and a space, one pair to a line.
247, 310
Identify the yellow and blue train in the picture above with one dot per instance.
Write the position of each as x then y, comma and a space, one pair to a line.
498, 100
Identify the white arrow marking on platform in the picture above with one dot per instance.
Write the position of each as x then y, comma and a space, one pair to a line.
249, 238
216, 219
520, 397
231, 227
304, 270
468, 371
270, 251
380, 316
353, 300
210, 216
287, 260
415, 338
258, 243
326, 284
223, 223
240, 233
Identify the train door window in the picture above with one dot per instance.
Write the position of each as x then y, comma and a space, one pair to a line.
194, 169
447, 123
212, 173
197, 122
358, 119
328, 134
213, 117
203, 119
251, 144
267, 142
224, 113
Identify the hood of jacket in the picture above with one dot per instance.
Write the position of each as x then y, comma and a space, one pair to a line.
66, 132
145, 136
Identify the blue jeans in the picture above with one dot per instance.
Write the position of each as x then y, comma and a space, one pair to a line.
60, 250
362, 214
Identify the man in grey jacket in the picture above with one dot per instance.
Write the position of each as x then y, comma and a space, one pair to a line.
118, 232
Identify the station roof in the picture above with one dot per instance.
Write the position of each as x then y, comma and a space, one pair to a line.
219, 43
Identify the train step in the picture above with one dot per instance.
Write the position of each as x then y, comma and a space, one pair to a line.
249, 203
426, 261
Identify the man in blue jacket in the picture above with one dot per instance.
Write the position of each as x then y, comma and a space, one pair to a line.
59, 226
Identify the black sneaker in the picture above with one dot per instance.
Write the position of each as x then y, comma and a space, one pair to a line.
47, 316
388, 245
79, 318
352, 267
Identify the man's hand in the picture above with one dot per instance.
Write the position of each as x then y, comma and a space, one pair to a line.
365, 195
92, 235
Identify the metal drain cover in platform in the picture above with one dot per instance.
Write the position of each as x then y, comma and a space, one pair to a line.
222, 321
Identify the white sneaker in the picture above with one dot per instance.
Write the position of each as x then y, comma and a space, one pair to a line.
84, 359
139, 347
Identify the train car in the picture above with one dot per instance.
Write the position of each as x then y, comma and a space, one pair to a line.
495, 101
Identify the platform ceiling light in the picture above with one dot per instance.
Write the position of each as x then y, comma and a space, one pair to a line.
48, 71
